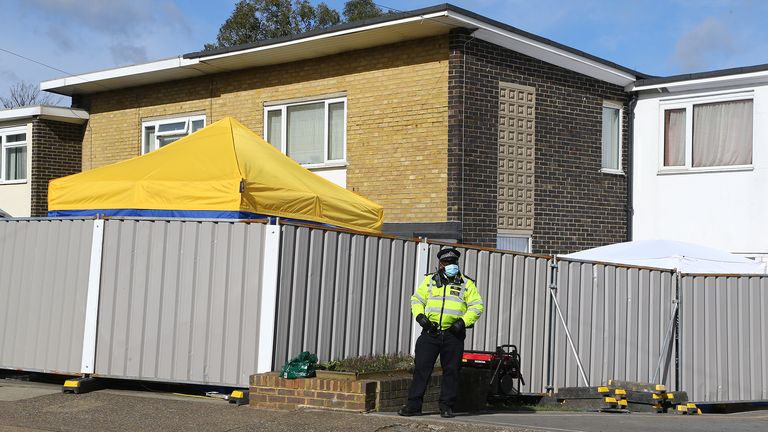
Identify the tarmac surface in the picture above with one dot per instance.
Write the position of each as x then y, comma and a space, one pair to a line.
32, 406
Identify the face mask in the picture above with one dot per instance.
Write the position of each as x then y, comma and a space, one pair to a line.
451, 270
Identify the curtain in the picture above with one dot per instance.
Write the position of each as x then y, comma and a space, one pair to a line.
336, 131
275, 128
611, 138
306, 128
722, 134
16, 163
674, 137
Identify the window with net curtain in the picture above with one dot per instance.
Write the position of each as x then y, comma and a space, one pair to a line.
611, 137
13, 156
720, 135
309, 133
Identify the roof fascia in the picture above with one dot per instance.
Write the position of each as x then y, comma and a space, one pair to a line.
325, 36
64, 114
703, 83
544, 51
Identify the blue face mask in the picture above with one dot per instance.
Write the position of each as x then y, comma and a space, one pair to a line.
451, 270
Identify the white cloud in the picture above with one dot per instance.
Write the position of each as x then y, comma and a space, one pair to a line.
709, 42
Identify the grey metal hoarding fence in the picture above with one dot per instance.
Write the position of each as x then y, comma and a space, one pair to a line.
44, 267
180, 301
724, 337
343, 294
212, 301
618, 318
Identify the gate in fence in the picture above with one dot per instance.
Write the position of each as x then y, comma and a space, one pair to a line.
212, 301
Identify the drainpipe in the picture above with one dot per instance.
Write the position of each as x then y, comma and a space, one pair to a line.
630, 158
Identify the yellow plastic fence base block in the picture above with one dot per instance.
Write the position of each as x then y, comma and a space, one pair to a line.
623, 403
690, 405
661, 387
71, 384
620, 392
670, 395
610, 400
603, 389
239, 397
656, 396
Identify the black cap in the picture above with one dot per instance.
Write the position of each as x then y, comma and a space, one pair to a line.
448, 254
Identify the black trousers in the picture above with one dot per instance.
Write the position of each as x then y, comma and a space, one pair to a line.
428, 347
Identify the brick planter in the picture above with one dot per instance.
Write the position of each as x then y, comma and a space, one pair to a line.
269, 391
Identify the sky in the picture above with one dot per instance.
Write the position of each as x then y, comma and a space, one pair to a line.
655, 37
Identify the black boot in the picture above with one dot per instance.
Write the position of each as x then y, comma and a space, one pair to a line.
446, 412
408, 412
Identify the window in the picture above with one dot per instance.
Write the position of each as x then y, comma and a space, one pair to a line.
510, 242
612, 137
311, 133
13, 155
159, 133
707, 133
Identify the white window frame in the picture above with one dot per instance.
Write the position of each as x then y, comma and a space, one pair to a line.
283, 108
687, 103
156, 123
5, 132
527, 237
619, 106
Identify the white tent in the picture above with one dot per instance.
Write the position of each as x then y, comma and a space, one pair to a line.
667, 254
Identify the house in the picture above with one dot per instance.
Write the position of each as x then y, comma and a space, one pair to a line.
37, 144
700, 159
462, 127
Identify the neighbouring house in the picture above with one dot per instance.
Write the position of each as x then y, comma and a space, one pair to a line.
701, 161
37, 144
462, 127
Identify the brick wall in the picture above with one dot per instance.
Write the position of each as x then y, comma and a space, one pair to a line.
397, 123
56, 152
269, 391
575, 205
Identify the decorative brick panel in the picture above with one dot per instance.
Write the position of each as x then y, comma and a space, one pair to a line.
56, 152
575, 205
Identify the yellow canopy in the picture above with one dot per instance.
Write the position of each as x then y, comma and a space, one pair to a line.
223, 170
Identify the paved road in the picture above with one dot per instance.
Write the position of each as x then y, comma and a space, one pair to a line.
26, 407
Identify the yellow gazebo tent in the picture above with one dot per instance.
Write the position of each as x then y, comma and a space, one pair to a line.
224, 171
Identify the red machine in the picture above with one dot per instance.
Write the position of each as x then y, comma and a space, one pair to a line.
504, 365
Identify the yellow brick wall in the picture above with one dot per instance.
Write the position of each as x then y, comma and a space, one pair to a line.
397, 117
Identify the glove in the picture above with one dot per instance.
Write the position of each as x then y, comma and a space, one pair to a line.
425, 323
458, 327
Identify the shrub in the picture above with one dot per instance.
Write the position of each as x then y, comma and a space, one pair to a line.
375, 363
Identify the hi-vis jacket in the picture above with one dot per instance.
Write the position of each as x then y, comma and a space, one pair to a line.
444, 305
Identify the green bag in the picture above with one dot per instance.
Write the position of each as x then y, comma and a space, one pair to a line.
303, 366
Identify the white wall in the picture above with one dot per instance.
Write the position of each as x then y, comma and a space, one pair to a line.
337, 175
16, 199
727, 210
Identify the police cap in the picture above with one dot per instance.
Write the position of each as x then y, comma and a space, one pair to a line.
448, 254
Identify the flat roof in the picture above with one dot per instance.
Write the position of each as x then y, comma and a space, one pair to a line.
58, 113
384, 30
732, 76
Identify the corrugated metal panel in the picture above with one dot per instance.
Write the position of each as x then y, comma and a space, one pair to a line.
180, 301
43, 286
342, 294
617, 317
724, 335
514, 290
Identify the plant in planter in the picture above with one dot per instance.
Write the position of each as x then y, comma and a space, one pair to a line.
367, 367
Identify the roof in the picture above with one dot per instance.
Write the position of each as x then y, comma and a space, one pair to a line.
63, 114
223, 170
731, 76
388, 29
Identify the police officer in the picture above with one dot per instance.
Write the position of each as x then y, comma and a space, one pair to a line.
444, 305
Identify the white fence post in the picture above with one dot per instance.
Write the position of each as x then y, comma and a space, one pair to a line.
88, 361
422, 260
269, 286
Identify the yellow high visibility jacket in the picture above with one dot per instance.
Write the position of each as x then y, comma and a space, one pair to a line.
444, 305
